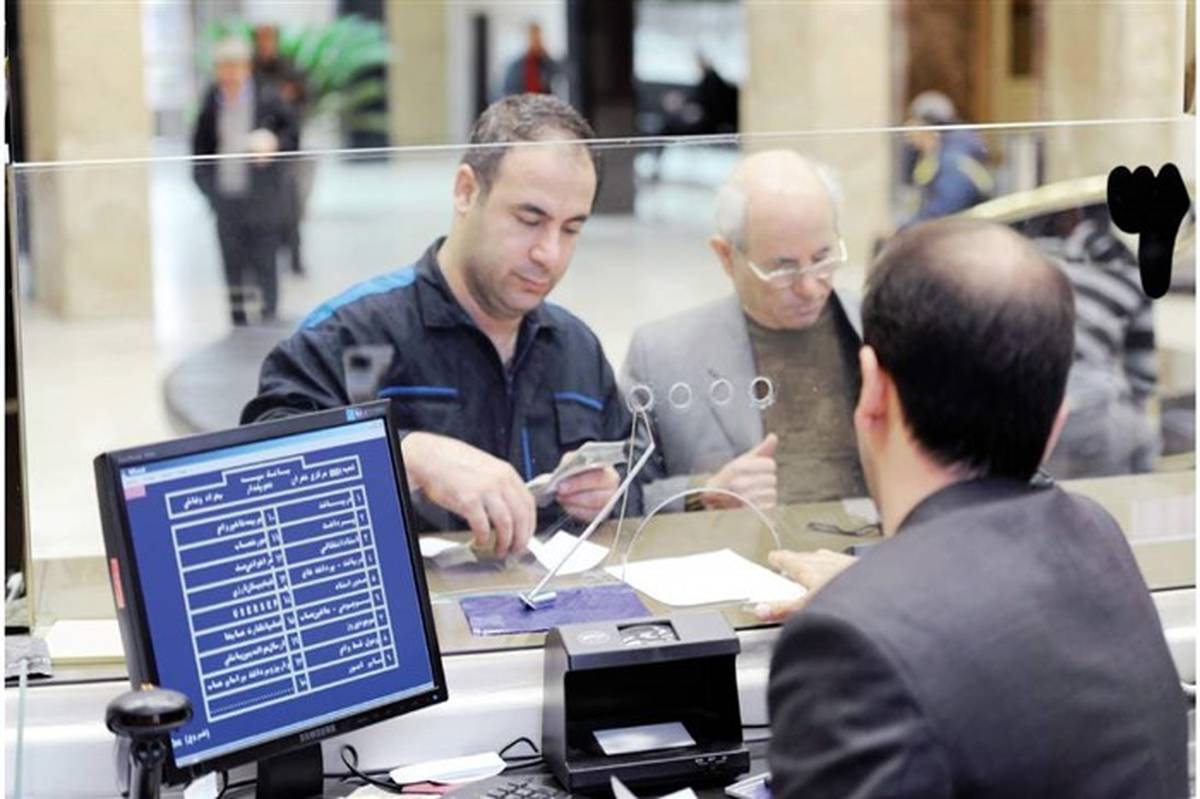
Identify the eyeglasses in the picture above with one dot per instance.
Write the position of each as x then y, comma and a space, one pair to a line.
781, 274
870, 528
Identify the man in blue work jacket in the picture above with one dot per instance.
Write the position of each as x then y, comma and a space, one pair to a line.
491, 385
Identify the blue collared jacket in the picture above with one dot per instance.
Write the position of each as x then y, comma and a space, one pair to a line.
446, 377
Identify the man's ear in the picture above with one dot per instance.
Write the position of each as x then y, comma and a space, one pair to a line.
1060, 419
466, 188
724, 250
871, 410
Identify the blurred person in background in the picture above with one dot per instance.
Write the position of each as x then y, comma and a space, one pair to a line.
948, 167
240, 115
271, 68
534, 71
1115, 371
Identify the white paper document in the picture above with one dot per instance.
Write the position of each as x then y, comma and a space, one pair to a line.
721, 576
205, 787
643, 738
620, 791
468, 768
550, 553
432, 546
85, 640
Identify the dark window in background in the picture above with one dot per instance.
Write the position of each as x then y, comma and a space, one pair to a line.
1020, 57
373, 10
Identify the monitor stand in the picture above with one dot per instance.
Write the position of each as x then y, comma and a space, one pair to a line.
291, 775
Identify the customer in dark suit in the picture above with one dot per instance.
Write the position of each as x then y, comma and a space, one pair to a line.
250, 196
1001, 642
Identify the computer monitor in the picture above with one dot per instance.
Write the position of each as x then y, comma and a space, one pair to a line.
271, 574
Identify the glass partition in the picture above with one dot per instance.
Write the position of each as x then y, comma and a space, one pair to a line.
146, 311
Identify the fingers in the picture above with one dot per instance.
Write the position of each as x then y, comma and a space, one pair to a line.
502, 522
766, 447
477, 520
811, 569
524, 513
584, 495
753, 465
787, 562
779, 611
585, 506
604, 477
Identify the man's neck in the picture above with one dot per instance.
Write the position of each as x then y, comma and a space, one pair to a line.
502, 332
910, 480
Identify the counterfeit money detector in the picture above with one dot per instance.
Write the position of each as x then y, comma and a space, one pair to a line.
652, 701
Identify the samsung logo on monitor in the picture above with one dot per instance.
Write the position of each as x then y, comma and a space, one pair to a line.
356, 414
319, 732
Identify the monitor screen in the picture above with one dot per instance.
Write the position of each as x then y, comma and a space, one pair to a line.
276, 583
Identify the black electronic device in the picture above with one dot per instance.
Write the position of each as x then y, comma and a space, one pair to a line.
270, 574
146, 718
651, 701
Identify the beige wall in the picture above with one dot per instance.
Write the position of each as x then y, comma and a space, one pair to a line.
417, 81
820, 66
1114, 60
84, 99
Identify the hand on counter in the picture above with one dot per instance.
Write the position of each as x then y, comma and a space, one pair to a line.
479, 487
811, 569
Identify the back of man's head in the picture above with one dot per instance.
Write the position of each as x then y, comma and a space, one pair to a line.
522, 118
976, 329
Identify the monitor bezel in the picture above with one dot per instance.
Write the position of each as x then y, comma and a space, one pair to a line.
143, 666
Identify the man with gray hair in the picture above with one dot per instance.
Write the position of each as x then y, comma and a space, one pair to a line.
754, 393
248, 195
490, 384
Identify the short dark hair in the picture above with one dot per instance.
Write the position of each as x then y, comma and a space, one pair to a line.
977, 329
522, 118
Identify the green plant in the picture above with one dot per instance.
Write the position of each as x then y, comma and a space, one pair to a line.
339, 62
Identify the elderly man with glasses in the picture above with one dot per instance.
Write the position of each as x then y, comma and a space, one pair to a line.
754, 394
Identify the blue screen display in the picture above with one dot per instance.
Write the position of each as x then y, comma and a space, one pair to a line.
278, 584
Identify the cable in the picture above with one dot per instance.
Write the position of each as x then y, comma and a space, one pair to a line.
538, 761
518, 742
387, 785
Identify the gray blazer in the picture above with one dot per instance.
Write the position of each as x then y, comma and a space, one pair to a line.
1002, 644
698, 348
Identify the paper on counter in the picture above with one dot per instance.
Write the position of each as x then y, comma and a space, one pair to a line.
621, 792
721, 576
85, 640
432, 546
550, 553
468, 768
205, 787
861, 508
373, 792
643, 738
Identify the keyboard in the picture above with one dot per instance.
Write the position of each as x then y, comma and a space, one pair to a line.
502, 787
